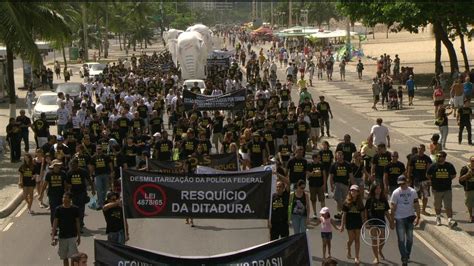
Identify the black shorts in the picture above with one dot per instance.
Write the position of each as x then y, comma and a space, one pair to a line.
28, 182
438, 103
279, 230
411, 93
376, 98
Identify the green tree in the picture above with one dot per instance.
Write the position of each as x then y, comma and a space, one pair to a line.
22, 23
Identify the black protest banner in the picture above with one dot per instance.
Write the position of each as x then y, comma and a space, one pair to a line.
226, 162
230, 101
292, 250
167, 167
216, 196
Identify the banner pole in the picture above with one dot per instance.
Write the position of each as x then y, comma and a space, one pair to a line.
125, 224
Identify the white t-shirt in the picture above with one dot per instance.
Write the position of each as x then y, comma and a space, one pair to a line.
63, 116
404, 200
380, 133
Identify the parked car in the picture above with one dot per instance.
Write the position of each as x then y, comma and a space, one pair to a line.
89, 66
190, 83
71, 88
46, 103
96, 70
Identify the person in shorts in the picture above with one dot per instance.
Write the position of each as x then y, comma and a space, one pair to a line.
466, 179
326, 229
317, 182
66, 219
340, 177
441, 175
417, 168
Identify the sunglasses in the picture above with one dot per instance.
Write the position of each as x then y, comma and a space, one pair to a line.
354, 190
302, 187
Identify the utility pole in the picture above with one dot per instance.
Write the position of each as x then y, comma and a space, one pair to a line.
271, 13
289, 14
84, 30
261, 10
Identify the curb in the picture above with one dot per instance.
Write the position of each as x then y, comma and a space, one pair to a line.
12, 205
458, 243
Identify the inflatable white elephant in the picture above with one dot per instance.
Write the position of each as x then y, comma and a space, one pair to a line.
206, 34
192, 55
171, 37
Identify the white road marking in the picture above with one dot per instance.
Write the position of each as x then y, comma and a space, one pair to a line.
342, 120
434, 250
21, 212
356, 129
7, 227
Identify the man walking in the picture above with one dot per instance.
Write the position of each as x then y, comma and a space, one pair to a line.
464, 118
278, 222
404, 205
25, 123
410, 86
380, 134
324, 111
466, 179
66, 218
417, 167
441, 175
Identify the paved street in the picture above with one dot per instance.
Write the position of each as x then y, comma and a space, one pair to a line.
173, 236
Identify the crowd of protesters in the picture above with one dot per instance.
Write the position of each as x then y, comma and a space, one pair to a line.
135, 112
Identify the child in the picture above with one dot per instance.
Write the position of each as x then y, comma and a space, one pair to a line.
400, 96
326, 230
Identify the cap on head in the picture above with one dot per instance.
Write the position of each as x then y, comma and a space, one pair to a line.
324, 210
401, 179
354, 187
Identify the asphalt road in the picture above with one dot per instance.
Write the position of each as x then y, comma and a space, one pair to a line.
25, 239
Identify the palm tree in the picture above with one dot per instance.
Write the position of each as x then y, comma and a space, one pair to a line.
21, 23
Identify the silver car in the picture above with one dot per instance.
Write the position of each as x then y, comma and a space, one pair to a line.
71, 88
46, 103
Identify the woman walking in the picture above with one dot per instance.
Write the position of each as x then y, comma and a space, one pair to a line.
442, 123
438, 99
352, 220
27, 180
38, 173
298, 208
376, 209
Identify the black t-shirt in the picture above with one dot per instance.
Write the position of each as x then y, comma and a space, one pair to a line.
24, 122
285, 151
279, 127
77, 179
376, 209
380, 161
469, 183
441, 176
341, 172
465, 115
353, 216
280, 205
394, 170
256, 149
419, 165
41, 128
297, 169
326, 158
101, 164
290, 127
217, 124
130, 153
315, 176
142, 111
347, 149
302, 129
358, 171
156, 124
188, 147
55, 184
323, 109
314, 118
163, 150
114, 219
83, 160
67, 221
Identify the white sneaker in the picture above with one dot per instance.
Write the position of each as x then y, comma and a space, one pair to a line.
438, 221
452, 223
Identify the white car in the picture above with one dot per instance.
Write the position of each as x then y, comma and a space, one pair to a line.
88, 65
190, 83
95, 70
46, 103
